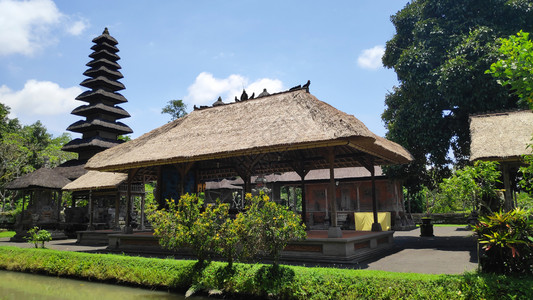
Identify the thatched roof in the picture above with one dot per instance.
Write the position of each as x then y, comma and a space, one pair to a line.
71, 169
42, 178
95, 180
501, 136
276, 123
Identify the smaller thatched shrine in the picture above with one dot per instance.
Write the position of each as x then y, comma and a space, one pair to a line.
41, 191
503, 137
105, 187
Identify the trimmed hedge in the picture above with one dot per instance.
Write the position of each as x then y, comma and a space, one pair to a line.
245, 280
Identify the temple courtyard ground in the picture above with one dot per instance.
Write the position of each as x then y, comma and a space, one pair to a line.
453, 250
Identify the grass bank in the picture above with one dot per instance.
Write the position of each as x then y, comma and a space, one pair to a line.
7, 234
245, 280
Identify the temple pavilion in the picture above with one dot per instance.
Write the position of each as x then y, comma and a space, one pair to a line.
291, 131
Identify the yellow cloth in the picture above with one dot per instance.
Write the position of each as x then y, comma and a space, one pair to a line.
364, 220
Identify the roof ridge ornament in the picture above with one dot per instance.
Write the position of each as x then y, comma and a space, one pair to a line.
106, 31
218, 102
244, 96
264, 93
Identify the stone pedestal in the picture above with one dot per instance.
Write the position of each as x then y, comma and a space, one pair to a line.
334, 232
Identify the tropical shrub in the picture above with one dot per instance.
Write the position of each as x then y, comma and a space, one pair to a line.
268, 226
507, 240
185, 225
38, 236
264, 227
526, 173
524, 201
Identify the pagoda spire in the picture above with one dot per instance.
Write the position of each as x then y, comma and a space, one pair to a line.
100, 129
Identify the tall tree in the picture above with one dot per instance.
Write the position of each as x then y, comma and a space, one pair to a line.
440, 52
24, 149
515, 67
175, 108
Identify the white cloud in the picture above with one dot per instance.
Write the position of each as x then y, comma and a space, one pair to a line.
206, 88
77, 27
25, 26
371, 58
40, 98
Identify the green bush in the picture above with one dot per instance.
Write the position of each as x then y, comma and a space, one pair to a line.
247, 281
185, 225
38, 236
507, 240
267, 227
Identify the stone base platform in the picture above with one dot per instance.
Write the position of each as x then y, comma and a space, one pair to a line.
94, 237
99, 237
352, 247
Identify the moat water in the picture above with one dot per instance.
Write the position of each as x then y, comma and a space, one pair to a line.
22, 286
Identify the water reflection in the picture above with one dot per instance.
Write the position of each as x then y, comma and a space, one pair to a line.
22, 286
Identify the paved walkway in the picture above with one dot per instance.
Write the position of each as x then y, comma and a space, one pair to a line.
453, 250
62, 245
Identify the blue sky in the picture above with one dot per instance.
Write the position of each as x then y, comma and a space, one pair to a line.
195, 51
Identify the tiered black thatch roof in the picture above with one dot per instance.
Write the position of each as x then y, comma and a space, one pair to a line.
100, 129
43, 178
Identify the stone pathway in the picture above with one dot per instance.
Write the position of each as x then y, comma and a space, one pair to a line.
63, 245
453, 250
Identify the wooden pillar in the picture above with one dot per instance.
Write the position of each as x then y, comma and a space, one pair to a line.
183, 169
158, 194
131, 175
59, 198
91, 226
334, 231
247, 184
22, 212
357, 198
117, 211
375, 226
304, 201
128, 228
508, 204
142, 211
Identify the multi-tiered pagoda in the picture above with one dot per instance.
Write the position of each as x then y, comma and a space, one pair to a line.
100, 129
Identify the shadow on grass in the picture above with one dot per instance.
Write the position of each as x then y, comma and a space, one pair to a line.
273, 278
192, 274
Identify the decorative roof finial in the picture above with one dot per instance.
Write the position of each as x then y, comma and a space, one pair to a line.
106, 31
263, 94
244, 96
218, 102
306, 86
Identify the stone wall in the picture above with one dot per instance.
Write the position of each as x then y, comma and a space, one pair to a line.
449, 218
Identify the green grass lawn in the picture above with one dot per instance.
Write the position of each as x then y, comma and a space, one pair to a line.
261, 281
6, 234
